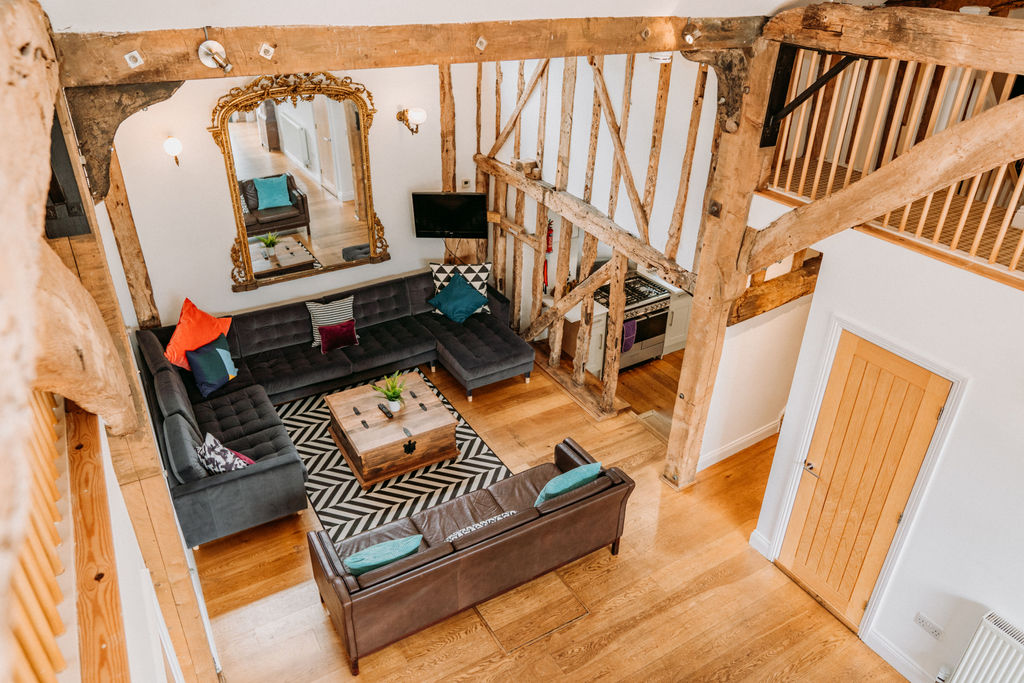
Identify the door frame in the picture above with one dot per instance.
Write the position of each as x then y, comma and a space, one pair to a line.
836, 325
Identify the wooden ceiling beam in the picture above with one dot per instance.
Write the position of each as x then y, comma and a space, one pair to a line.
590, 220
170, 55
907, 33
978, 144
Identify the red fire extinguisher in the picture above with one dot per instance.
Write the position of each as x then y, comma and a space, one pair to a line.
551, 236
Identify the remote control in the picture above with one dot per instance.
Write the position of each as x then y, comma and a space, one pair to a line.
384, 409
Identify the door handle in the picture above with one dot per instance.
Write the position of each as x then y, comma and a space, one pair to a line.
809, 468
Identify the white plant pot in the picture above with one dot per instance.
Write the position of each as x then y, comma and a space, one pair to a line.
394, 406
266, 252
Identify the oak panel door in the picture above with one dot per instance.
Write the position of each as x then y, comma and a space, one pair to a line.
875, 423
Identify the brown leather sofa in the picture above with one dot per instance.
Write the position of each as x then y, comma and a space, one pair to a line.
382, 606
278, 219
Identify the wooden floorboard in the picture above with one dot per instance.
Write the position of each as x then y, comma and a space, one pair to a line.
687, 598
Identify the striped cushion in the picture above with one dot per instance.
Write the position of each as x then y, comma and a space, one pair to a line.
333, 313
476, 274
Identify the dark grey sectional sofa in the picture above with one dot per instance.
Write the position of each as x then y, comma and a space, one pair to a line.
276, 362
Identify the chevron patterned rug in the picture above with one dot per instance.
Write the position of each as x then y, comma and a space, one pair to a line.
344, 508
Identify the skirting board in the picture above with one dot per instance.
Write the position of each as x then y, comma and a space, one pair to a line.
761, 544
722, 452
896, 658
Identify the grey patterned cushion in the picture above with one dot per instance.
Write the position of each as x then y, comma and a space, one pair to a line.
477, 525
476, 274
218, 458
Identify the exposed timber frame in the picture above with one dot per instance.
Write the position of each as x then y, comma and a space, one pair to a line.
744, 80
170, 55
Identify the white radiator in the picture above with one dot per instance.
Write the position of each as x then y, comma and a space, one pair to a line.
995, 655
293, 138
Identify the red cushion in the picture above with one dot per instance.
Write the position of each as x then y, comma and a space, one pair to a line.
336, 336
195, 328
244, 458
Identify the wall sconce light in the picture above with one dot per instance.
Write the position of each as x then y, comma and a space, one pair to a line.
412, 118
173, 148
213, 54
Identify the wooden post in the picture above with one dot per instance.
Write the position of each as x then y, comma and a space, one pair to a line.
564, 226
588, 252
541, 230
744, 79
627, 101
520, 210
657, 134
675, 228
123, 226
613, 331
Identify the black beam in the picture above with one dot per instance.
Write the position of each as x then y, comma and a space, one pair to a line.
775, 115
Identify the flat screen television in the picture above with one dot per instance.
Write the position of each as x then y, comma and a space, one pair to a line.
450, 214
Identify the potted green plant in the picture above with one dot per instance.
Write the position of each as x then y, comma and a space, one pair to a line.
393, 387
269, 242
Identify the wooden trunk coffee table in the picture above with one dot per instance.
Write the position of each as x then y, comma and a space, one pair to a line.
379, 448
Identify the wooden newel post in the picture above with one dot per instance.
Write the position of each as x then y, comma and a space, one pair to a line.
744, 80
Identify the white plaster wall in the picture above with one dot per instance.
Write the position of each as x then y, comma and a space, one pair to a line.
965, 546
183, 213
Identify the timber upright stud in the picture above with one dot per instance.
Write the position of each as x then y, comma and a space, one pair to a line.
744, 77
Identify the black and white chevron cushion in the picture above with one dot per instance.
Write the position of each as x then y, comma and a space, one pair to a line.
329, 314
476, 274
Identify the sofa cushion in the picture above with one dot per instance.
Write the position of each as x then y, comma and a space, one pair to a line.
496, 529
381, 554
478, 347
152, 352
195, 327
458, 300
212, 366
475, 274
438, 522
272, 192
236, 414
278, 213
180, 441
568, 481
241, 380
217, 458
272, 328
519, 491
388, 532
298, 366
265, 443
377, 303
404, 565
420, 288
321, 315
388, 342
585, 491
172, 398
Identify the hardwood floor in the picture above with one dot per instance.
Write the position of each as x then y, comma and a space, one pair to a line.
686, 598
333, 223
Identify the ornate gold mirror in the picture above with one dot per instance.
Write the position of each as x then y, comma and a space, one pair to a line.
296, 151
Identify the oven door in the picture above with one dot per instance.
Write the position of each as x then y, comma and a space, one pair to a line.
651, 325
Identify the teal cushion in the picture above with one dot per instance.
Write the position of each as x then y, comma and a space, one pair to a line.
382, 554
272, 192
567, 481
459, 299
211, 365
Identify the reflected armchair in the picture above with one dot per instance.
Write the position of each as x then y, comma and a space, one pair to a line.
278, 219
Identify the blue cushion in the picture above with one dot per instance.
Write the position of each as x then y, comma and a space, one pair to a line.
567, 481
458, 300
272, 192
382, 554
211, 365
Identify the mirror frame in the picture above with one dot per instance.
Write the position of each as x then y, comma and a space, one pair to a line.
293, 88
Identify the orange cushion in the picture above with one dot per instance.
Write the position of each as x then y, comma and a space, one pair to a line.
195, 328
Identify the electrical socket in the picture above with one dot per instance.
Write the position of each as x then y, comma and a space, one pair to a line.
930, 627
465, 183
